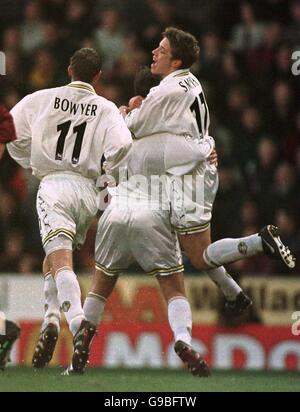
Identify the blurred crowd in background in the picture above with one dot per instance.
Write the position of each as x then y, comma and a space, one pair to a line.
245, 70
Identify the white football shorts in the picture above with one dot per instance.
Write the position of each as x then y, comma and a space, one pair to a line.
125, 235
191, 199
66, 204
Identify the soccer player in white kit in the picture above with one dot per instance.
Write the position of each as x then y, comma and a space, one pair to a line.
136, 226
177, 107
161, 150
62, 134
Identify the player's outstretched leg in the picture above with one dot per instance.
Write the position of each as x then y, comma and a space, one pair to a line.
237, 301
82, 342
7, 341
198, 246
273, 246
192, 359
229, 250
45, 346
239, 305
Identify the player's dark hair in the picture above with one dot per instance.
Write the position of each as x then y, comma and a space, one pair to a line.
184, 46
85, 64
144, 80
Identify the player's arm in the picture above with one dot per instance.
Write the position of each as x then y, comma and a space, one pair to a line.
213, 158
149, 117
117, 143
20, 149
7, 129
206, 150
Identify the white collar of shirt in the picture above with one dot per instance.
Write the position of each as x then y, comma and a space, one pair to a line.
175, 73
82, 85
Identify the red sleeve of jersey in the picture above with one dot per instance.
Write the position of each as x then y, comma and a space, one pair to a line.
7, 128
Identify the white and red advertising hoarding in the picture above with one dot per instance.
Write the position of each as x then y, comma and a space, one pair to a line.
135, 331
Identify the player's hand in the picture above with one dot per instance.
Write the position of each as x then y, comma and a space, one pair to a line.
213, 158
124, 110
135, 102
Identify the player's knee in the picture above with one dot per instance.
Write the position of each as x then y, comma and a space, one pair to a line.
46, 266
59, 260
198, 262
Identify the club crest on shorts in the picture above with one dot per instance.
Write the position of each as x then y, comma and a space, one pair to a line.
242, 247
66, 306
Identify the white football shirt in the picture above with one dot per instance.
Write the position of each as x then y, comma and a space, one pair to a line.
176, 106
69, 128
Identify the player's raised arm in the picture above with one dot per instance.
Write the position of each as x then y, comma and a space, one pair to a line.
148, 118
20, 149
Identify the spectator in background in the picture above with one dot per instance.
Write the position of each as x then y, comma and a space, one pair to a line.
265, 166
248, 34
249, 214
77, 16
246, 140
162, 14
281, 111
43, 72
109, 37
235, 100
210, 57
32, 27
284, 191
58, 43
282, 64
12, 40
292, 33
260, 59
130, 60
230, 69
228, 201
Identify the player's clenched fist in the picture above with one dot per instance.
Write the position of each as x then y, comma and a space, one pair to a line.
135, 102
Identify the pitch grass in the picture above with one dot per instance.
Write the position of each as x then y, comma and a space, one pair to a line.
25, 379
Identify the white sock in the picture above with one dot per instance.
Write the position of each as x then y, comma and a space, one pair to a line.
225, 282
93, 308
180, 319
52, 307
69, 297
230, 250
